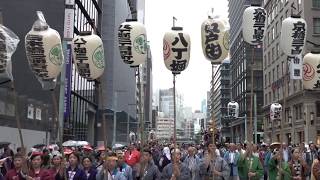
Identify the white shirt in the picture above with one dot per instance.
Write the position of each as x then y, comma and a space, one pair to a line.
232, 157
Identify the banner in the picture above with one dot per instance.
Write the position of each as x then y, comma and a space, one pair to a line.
296, 66
67, 82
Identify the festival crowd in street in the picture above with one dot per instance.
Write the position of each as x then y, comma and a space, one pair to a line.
164, 162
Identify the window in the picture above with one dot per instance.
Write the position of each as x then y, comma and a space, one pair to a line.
270, 97
277, 50
316, 25
273, 75
316, 3
266, 99
265, 61
282, 68
265, 80
278, 71
269, 38
318, 108
276, 30
272, 53
269, 58
273, 34
287, 13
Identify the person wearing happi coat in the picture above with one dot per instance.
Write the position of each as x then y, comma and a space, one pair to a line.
249, 166
276, 171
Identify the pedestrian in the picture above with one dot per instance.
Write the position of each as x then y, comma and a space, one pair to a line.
149, 171
315, 170
249, 166
109, 170
36, 172
193, 163
73, 172
298, 165
56, 163
213, 165
266, 156
15, 173
132, 158
88, 168
277, 171
7, 163
232, 157
123, 167
176, 170
165, 158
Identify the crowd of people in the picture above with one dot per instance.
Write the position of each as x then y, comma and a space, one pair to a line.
164, 162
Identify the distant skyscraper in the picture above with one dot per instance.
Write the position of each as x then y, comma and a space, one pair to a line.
166, 105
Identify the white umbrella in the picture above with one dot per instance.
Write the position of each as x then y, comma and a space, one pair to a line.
118, 146
82, 143
69, 143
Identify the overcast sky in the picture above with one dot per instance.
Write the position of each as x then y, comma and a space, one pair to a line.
194, 82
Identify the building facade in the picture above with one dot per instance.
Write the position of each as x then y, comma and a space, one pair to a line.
301, 122
221, 97
243, 59
33, 105
164, 128
166, 105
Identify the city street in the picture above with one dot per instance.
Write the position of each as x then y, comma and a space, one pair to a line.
160, 90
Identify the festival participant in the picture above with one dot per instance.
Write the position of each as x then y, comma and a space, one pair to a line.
249, 166
298, 165
149, 171
165, 159
176, 170
56, 163
132, 158
193, 163
73, 172
123, 167
232, 157
88, 168
36, 172
315, 170
110, 171
277, 171
15, 173
214, 165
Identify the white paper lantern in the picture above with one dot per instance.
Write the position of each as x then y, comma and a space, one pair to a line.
44, 53
275, 111
215, 40
88, 54
176, 50
254, 24
233, 109
311, 70
8, 44
132, 43
293, 35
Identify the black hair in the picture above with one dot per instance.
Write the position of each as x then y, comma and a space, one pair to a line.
87, 157
76, 155
147, 150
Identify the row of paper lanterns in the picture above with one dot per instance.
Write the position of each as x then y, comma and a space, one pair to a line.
45, 55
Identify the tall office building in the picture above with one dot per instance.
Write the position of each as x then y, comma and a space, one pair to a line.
243, 60
221, 97
302, 109
166, 105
